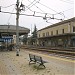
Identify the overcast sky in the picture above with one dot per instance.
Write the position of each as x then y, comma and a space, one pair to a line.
62, 9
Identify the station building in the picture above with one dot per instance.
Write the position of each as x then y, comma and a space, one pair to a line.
61, 34
8, 33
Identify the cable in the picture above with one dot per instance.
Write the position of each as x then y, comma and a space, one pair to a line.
67, 10
48, 21
52, 10
8, 6
7, 12
22, 14
31, 15
40, 9
37, 7
40, 12
48, 7
30, 4
36, 11
34, 4
62, 12
49, 14
10, 16
66, 2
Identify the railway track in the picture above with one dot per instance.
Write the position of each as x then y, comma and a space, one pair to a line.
64, 53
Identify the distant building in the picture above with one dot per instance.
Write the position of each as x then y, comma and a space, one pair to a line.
61, 34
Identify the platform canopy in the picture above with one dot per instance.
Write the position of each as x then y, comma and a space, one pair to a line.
11, 30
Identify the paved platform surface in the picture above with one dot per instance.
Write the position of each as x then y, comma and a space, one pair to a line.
10, 64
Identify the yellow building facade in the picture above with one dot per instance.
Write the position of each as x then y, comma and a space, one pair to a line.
61, 34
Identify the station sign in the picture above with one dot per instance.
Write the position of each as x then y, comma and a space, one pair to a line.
7, 37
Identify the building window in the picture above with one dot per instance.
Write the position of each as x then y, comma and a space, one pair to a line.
39, 35
73, 29
51, 32
56, 31
47, 33
62, 30
43, 34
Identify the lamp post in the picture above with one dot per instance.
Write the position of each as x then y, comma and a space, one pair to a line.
19, 8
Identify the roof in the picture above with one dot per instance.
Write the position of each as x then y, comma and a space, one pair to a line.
59, 23
69, 34
12, 29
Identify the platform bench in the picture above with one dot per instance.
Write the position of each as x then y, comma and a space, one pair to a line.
36, 59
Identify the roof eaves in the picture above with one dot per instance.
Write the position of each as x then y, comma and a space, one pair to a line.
59, 23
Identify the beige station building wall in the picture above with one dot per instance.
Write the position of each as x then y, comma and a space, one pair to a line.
64, 30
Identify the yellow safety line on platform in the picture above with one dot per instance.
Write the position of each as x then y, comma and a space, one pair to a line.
63, 59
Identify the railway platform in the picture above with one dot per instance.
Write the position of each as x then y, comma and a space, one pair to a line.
10, 64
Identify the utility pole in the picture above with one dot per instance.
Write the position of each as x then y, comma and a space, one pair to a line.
17, 28
0, 8
19, 8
